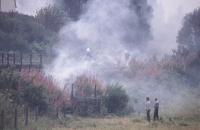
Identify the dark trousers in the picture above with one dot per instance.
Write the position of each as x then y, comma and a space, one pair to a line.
148, 115
155, 115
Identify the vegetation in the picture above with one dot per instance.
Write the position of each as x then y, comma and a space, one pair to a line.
116, 99
85, 86
188, 52
52, 18
188, 37
74, 8
114, 123
23, 33
35, 90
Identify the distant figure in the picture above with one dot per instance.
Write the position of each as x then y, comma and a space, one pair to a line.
88, 54
148, 109
156, 110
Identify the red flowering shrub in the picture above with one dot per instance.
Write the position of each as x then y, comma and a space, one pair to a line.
85, 86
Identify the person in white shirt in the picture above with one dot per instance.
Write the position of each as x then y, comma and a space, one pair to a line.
156, 110
148, 109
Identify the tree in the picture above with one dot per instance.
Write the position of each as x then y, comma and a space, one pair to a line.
73, 7
22, 33
189, 35
52, 18
35, 96
187, 56
116, 99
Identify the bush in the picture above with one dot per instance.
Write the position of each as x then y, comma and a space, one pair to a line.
36, 97
86, 88
116, 99
34, 92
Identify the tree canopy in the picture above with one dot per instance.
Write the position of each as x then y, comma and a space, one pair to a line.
189, 35
52, 18
22, 33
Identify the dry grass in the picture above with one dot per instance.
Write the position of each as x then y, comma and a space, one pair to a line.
127, 124
114, 123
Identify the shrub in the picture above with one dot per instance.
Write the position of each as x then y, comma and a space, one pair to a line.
116, 99
85, 86
32, 89
36, 97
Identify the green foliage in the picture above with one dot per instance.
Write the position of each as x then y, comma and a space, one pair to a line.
35, 96
52, 18
116, 99
20, 92
9, 86
19, 32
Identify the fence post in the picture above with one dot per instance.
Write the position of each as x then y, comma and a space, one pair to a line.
95, 91
36, 114
8, 58
21, 61
2, 120
26, 116
16, 119
2, 60
30, 64
99, 105
41, 61
57, 112
72, 92
14, 58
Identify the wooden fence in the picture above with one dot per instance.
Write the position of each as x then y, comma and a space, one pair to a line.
18, 60
85, 106
17, 117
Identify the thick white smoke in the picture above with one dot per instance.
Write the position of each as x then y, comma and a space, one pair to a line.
97, 44
167, 21
98, 41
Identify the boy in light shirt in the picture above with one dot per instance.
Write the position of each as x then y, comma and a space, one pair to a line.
148, 109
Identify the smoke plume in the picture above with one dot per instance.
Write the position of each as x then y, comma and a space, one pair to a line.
167, 20
103, 35
108, 34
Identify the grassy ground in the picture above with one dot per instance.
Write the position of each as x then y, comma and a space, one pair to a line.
115, 123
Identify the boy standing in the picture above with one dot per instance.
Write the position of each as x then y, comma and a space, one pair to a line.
156, 110
148, 109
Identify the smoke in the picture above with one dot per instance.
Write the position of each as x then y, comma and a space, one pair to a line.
167, 20
100, 39
105, 37
30, 7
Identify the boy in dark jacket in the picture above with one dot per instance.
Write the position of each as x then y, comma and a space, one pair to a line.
156, 110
